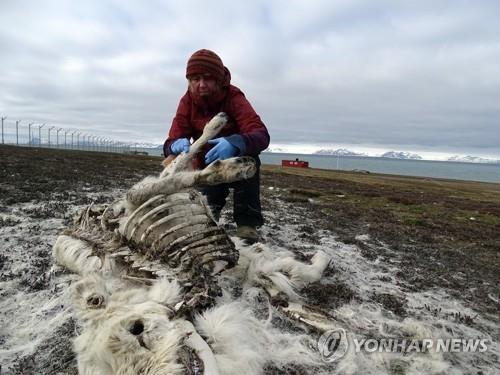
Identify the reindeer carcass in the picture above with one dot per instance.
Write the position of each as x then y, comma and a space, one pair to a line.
149, 267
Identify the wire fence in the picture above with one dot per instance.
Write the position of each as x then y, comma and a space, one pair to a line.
30, 134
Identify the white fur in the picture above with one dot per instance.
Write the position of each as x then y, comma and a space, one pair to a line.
239, 342
130, 327
106, 345
183, 162
165, 292
242, 344
220, 171
280, 271
178, 175
75, 255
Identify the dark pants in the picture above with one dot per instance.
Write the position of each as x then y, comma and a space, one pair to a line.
246, 197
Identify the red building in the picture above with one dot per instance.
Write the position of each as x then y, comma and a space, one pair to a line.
295, 163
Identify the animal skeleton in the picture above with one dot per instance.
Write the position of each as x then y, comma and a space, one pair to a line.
150, 266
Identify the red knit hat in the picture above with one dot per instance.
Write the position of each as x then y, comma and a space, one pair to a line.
205, 61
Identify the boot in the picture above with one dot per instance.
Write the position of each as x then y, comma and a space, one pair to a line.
248, 234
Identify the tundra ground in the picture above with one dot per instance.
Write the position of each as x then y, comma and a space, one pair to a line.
418, 248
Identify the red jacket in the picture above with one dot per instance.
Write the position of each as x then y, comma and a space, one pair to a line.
190, 120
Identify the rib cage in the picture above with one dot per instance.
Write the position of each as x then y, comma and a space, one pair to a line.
179, 230
163, 228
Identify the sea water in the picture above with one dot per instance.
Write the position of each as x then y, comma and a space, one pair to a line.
424, 168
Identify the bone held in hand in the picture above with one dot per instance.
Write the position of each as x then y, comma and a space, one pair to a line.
220, 171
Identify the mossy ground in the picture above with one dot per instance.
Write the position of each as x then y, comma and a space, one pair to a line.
447, 230
444, 227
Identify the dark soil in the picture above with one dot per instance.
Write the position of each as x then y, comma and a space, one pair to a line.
391, 303
332, 295
38, 174
60, 360
444, 233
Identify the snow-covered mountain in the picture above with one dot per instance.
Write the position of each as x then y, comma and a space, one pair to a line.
338, 152
472, 159
146, 145
401, 155
308, 149
277, 150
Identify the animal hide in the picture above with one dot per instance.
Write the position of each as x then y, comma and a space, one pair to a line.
149, 299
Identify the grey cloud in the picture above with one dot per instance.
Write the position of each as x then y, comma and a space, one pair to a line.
381, 73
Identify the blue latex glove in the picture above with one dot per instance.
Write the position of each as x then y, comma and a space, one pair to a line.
180, 145
223, 149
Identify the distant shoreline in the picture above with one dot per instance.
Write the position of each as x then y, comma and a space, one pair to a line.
460, 171
381, 157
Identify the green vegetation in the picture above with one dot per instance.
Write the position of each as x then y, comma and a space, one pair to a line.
443, 233
452, 206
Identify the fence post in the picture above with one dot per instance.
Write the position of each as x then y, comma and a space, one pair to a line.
17, 132
40, 134
3, 118
29, 132
57, 137
49, 133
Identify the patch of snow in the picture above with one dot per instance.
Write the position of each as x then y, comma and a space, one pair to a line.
363, 237
29, 317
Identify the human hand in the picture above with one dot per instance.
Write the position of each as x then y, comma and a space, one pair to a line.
180, 145
223, 149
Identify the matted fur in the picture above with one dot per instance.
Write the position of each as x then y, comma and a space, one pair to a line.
149, 300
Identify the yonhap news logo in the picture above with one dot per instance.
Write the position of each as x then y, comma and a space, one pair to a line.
452, 345
334, 344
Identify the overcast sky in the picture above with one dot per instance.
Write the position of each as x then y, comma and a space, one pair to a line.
403, 75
